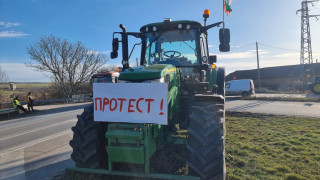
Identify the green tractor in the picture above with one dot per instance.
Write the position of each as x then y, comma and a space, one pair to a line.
175, 53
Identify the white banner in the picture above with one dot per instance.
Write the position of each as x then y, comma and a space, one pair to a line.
131, 102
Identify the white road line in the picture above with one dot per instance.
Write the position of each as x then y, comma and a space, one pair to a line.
35, 120
38, 129
38, 141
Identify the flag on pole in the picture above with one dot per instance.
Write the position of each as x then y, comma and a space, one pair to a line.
227, 6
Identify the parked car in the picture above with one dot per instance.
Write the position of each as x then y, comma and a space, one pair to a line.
244, 87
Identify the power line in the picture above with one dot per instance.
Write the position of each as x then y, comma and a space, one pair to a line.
243, 46
279, 48
275, 47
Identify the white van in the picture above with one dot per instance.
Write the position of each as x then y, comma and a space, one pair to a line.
244, 87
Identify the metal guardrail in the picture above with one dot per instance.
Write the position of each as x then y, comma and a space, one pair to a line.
8, 111
50, 101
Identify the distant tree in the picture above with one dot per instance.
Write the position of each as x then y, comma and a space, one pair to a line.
3, 76
71, 64
108, 68
3, 79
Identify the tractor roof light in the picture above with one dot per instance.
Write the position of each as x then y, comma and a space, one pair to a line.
167, 20
154, 28
188, 26
179, 26
119, 69
213, 66
206, 13
147, 29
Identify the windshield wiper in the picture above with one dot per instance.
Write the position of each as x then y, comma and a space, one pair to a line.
156, 38
189, 45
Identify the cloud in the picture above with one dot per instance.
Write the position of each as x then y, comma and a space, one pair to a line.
287, 55
232, 66
242, 55
19, 72
12, 34
237, 55
8, 24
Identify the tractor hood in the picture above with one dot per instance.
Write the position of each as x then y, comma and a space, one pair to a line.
141, 73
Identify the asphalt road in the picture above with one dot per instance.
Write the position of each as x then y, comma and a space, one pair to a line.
36, 145
303, 109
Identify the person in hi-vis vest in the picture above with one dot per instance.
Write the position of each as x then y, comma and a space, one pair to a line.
17, 104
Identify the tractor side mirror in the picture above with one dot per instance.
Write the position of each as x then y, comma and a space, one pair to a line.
115, 47
224, 37
212, 59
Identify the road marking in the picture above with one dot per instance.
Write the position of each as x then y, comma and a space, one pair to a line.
38, 129
39, 141
35, 120
40, 116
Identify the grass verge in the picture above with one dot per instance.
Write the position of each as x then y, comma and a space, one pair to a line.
272, 147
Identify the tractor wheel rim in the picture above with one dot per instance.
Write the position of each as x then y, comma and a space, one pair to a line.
317, 88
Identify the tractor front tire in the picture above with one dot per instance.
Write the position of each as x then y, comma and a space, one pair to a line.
221, 81
89, 143
206, 141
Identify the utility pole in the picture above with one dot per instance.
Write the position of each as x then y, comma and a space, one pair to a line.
306, 61
258, 66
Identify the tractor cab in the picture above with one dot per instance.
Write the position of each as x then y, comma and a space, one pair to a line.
179, 47
173, 43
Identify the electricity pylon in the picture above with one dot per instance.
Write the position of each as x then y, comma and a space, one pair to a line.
306, 61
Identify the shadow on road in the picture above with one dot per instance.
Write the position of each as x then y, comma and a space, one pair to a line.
40, 169
232, 98
249, 106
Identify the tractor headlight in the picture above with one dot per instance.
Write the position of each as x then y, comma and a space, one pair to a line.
154, 28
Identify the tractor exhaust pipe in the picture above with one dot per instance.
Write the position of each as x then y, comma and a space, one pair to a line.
124, 40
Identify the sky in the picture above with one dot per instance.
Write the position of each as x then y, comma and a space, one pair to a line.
272, 23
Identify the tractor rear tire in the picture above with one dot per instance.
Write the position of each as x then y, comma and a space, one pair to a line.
206, 141
89, 142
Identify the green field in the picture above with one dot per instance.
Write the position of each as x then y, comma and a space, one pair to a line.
26, 85
272, 147
259, 147
22, 89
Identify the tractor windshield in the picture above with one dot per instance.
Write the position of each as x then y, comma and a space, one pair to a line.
177, 47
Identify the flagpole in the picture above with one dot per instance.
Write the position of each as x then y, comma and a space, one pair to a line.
223, 12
